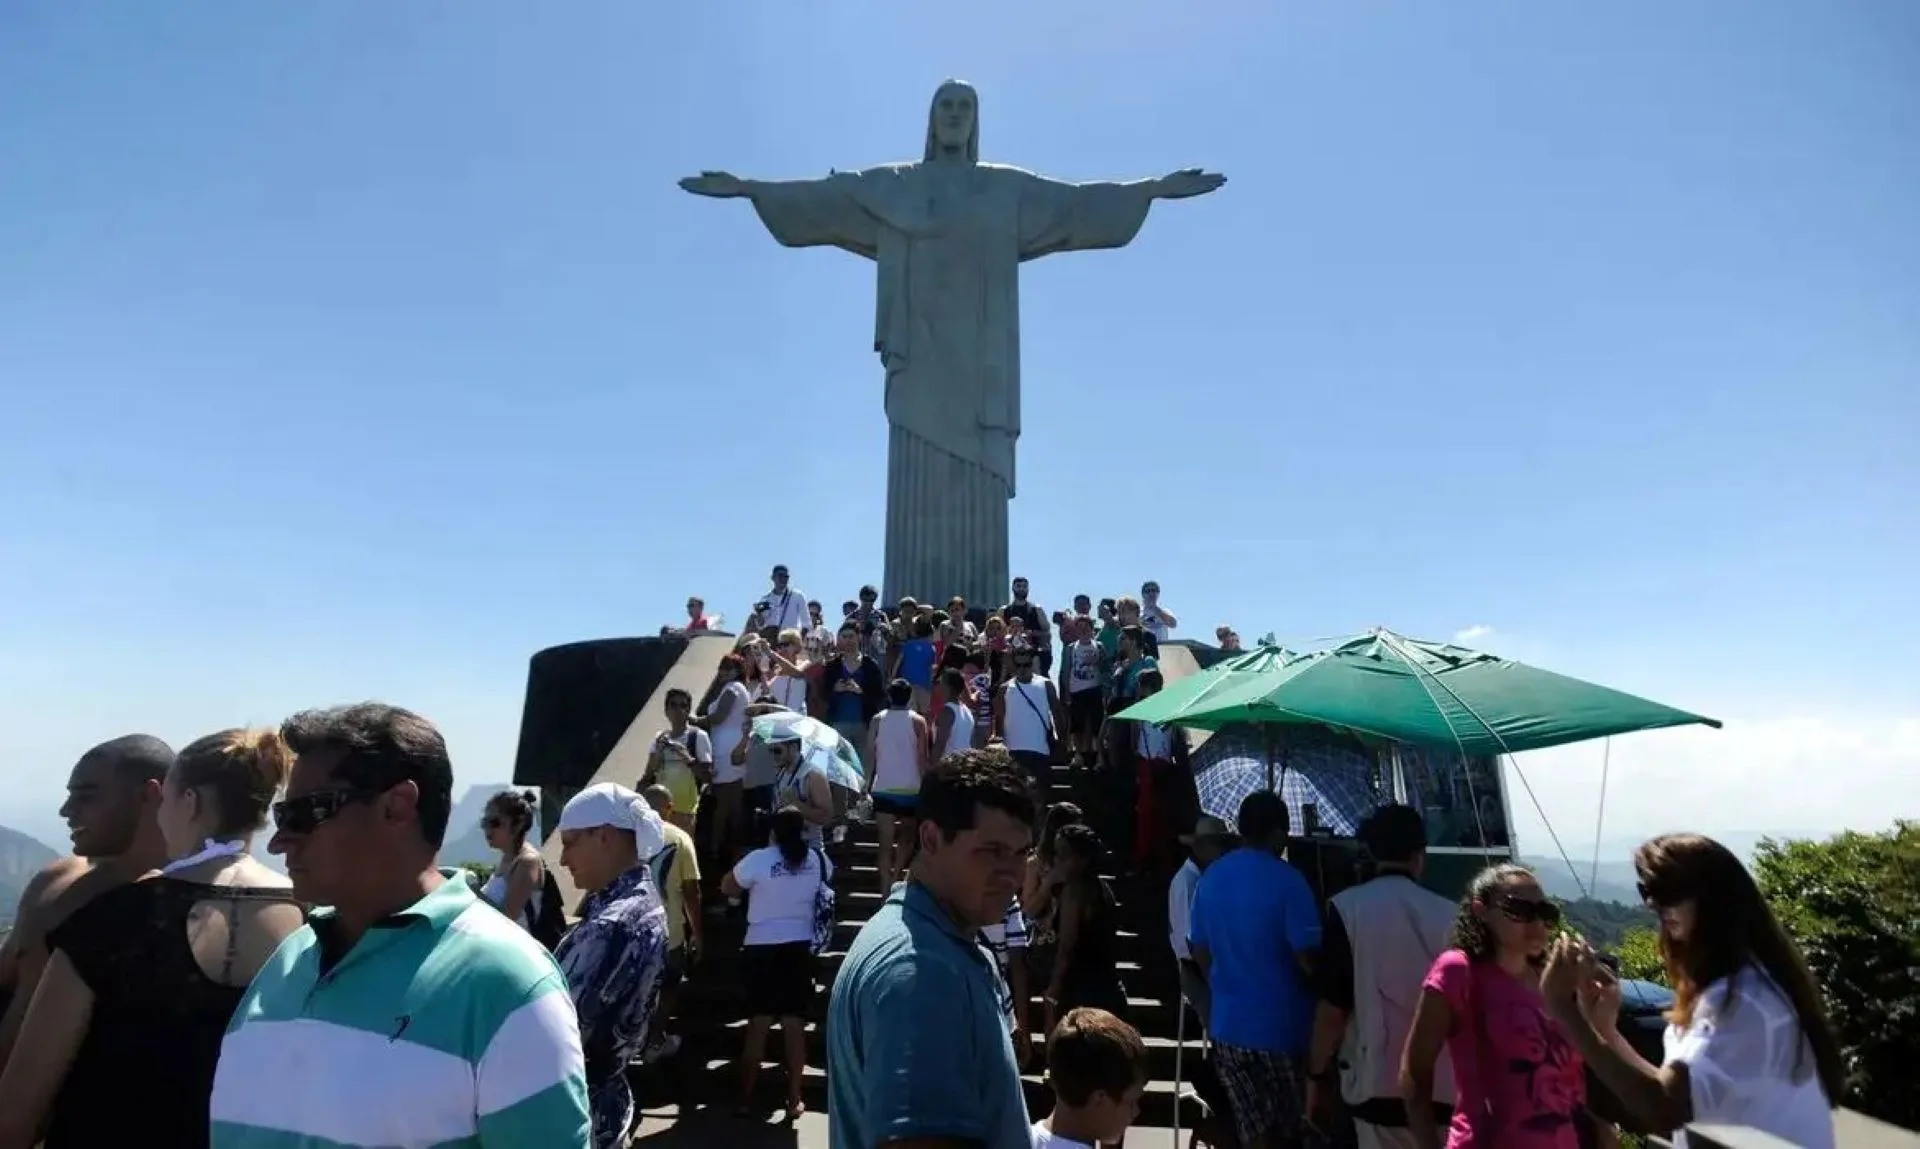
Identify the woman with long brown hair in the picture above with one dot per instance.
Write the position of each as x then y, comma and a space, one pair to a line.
1747, 1039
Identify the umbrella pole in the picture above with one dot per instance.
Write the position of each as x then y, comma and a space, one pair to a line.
1599, 819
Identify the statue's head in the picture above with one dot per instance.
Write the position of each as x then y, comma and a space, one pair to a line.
953, 122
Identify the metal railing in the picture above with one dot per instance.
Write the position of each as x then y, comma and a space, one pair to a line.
1851, 1130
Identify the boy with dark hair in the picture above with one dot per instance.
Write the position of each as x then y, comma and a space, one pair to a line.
1097, 1065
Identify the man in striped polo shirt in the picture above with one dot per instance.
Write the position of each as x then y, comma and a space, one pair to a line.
406, 1013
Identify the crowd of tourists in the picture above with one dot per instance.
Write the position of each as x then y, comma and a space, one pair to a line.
164, 988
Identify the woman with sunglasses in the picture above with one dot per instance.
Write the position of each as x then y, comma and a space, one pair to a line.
1747, 1040
518, 878
1518, 1081
120, 1043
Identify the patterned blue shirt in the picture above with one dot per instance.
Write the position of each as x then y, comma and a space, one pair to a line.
613, 961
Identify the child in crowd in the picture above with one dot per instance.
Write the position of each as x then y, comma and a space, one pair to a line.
1086, 701
918, 657
1097, 1065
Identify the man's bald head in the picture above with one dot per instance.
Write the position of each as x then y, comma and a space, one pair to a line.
135, 757
659, 797
114, 793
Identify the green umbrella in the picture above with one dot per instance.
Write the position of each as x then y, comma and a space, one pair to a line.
1222, 675
1406, 690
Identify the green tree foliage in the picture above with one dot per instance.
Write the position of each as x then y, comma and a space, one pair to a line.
1604, 924
480, 872
1639, 954
1852, 903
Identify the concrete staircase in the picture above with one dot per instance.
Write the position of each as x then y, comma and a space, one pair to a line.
711, 1020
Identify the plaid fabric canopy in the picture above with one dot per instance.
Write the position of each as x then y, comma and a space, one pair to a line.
1335, 774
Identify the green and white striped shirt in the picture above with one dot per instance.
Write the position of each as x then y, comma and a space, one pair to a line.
445, 1027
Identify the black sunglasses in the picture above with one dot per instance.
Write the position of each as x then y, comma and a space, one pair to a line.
309, 812
1657, 899
1527, 912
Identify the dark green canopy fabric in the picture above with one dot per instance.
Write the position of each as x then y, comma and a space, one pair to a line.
1405, 690
1229, 671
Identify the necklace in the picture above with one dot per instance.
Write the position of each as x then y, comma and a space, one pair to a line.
208, 852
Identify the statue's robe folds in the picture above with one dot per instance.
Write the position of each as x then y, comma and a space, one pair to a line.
948, 239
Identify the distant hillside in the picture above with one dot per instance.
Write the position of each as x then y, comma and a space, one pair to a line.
1605, 923
1616, 882
21, 857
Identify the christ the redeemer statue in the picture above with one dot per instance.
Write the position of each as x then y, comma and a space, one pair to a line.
948, 235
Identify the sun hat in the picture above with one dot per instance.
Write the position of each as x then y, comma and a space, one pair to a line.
1207, 826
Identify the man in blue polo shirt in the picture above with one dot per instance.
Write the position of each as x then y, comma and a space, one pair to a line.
918, 1051
1254, 933
407, 1012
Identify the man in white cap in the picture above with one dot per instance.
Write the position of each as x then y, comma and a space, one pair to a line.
1211, 838
616, 957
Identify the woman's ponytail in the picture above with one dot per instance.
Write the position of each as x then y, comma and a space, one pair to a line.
790, 835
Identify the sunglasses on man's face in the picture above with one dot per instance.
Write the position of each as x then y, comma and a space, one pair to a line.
1527, 912
309, 812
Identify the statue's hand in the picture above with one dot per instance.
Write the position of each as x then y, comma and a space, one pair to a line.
719, 185
1186, 183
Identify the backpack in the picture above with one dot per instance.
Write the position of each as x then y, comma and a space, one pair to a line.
823, 908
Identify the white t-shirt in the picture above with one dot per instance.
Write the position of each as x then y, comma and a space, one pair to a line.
1029, 717
1084, 666
1155, 622
694, 742
1006, 935
1045, 1138
727, 734
1180, 908
1748, 1063
787, 610
790, 691
779, 900
896, 752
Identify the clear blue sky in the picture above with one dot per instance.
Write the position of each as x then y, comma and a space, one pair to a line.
364, 349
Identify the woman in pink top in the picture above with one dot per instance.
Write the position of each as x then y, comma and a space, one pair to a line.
1518, 1084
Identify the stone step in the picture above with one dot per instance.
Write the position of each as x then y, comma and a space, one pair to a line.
718, 1078
1128, 945
717, 1002
724, 1043
860, 873
1137, 978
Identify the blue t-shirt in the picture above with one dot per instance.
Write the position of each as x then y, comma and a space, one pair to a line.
917, 1041
916, 662
1254, 912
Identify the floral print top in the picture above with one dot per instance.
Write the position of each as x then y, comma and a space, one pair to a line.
1518, 1083
613, 961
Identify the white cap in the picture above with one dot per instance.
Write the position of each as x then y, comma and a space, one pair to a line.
610, 804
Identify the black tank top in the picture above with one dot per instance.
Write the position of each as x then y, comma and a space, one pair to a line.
1093, 976
144, 1072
